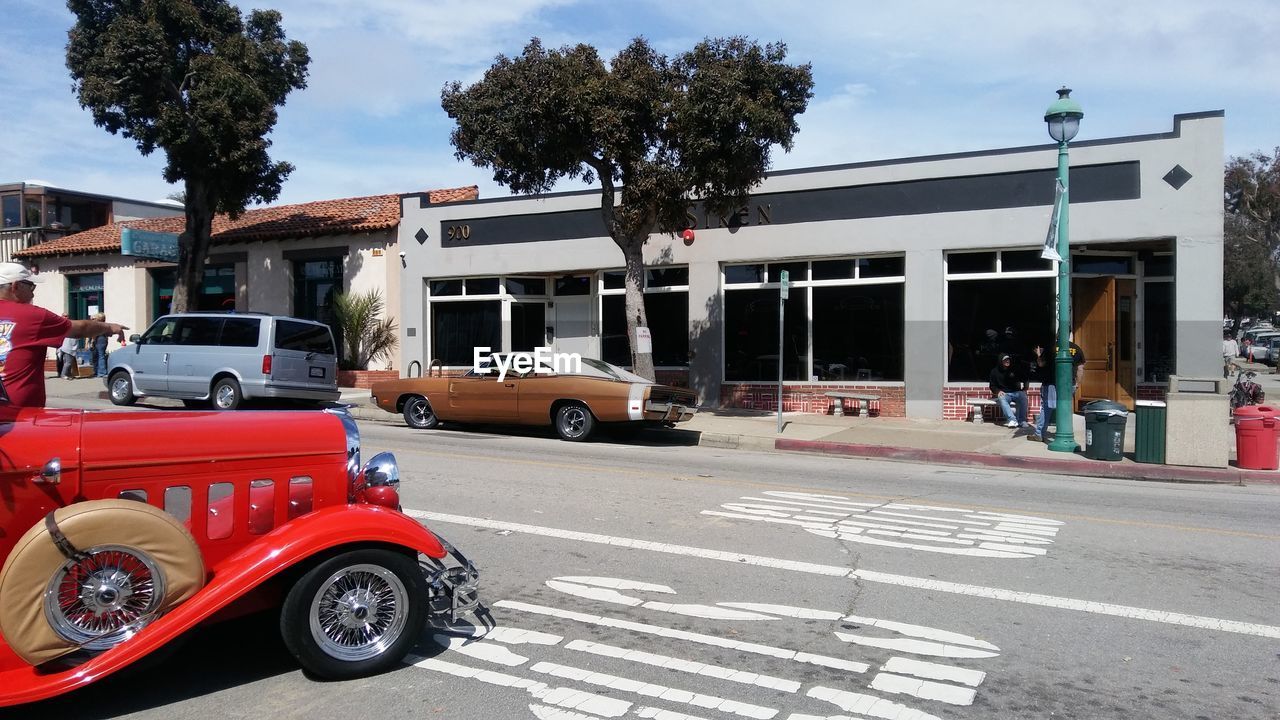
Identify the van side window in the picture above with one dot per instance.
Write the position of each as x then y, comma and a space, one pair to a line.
304, 337
162, 332
240, 332
198, 331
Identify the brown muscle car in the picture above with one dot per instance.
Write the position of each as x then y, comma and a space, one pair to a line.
572, 402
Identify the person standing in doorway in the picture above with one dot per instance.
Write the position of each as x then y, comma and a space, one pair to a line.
1010, 389
27, 332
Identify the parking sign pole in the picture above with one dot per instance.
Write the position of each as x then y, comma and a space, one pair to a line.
782, 303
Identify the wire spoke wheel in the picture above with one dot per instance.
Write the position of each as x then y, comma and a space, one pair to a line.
358, 612
101, 599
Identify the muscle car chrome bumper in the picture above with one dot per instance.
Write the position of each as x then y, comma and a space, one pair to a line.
668, 412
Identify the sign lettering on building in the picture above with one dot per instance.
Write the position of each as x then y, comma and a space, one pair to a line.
149, 244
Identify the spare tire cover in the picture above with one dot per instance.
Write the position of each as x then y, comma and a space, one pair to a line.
35, 559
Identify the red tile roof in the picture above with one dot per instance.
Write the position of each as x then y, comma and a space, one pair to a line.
323, 217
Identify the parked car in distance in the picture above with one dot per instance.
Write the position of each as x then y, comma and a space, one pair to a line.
573, 403
125, 530
224, 359
1258, 351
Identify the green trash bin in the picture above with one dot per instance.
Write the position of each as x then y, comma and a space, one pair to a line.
1104, 423
1149, 418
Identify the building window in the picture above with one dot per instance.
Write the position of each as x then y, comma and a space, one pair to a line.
458, 327
11, 207
843, 320
998, 301
218, 292
666, 304
316, 282
1157, 334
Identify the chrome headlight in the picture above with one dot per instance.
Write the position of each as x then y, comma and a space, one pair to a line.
382, 471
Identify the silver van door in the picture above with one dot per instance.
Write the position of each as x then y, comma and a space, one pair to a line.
149, 358
303, 356
195, 357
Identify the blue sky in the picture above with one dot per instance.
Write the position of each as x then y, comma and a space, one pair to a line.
891, 80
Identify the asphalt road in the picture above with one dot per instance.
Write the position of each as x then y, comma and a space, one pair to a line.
659, 580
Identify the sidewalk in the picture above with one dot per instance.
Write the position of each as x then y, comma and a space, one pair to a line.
940, 442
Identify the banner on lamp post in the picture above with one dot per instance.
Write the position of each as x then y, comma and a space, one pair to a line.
1050, 251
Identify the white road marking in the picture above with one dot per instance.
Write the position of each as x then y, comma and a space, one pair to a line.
868, 705
708, 612
845, 534
786, 611
515, 636
542, 712
917, 647
719, 672
753, 648
617, 584
561, 696
662, 692
590, 593
923, 689
921, 631
1099, 608
480, 650
659, 714
934, 671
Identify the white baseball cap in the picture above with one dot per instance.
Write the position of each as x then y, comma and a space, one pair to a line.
12, 272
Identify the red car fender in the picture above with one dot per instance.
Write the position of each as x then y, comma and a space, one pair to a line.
285, 546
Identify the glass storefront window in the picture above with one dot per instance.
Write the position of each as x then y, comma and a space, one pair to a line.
964, 263
446, 287
734, 274
460, 326
989, 317
1102, 264
526, 286
858, 332
670, 333
751, 335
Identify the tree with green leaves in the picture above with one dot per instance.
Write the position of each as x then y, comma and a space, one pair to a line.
201, 82
366, 335
1251, 251
671, 132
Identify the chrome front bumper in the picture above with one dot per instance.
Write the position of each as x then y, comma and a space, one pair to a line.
455, 585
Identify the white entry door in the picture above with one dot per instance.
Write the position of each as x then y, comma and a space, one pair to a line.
573, 326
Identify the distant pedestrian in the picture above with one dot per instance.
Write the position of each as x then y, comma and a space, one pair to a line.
99, 349
1009, 385
67, 366
1230, 349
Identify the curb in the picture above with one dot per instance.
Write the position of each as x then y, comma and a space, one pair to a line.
1163, 473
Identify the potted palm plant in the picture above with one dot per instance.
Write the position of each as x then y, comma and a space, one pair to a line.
366, 337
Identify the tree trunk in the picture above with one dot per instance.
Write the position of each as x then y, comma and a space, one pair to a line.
641, 363
193, 248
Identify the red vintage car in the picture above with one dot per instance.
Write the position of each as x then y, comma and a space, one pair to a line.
120, 531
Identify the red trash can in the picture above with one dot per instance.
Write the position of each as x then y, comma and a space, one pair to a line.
1256, 437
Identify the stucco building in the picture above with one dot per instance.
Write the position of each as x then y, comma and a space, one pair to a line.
907, 276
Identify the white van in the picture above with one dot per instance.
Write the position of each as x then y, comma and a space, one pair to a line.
224, 359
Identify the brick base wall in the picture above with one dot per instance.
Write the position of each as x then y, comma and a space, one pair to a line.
365, 378
956, 397
810, 398
1152, 391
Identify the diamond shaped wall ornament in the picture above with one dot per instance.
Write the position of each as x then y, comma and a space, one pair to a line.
1177, 177
421, 235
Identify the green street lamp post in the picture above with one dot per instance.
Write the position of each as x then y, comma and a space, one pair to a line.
1063, 118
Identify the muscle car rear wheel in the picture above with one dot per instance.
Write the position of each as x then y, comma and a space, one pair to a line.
226, 394
120, 388
574, 422
355, 614
135, 561
418, 413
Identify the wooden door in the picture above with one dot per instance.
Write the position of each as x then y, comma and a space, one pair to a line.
1094, 320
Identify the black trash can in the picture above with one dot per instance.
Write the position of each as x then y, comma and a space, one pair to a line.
1104, 423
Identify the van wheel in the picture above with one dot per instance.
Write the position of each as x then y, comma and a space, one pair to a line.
226, 394
418, 413
574, 422
356, 614
120, 388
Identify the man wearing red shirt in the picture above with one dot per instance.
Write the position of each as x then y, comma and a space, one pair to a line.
27, 331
